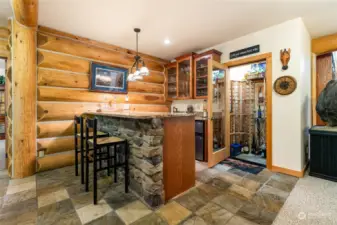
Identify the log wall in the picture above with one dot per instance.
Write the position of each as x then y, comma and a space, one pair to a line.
63, 74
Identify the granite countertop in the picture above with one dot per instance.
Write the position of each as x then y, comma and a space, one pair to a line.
141, 115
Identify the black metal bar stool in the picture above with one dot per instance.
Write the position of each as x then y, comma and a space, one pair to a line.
78, 120
100, 155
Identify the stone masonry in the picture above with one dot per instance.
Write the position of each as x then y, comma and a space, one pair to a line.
145, 138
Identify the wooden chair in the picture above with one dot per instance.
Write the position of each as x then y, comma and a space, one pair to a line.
78, 121
100, 155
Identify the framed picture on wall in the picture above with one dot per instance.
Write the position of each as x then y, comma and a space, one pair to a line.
108, 79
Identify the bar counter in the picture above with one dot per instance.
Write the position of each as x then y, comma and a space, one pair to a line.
162, 151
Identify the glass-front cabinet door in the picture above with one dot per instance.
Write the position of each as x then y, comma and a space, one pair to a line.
185, 77
172, 81
201, 77
218, 145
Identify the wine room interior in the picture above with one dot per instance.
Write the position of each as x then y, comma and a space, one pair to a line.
248, 112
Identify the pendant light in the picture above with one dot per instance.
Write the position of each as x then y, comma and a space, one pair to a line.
143, 71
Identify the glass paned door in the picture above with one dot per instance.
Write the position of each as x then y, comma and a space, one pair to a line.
218, 148
201, 73
184, 78
172, 82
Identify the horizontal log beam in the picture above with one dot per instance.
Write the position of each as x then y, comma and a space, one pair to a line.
4, 51
49, 111
55, 129
55, 145
51, 31
145, 87
79, 95
4, 32
324, 44
62, 62
75, 48
55, 161
47, 77
56, 111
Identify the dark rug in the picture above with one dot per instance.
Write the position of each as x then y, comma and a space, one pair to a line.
246, 167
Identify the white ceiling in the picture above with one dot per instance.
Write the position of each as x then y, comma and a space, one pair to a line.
191, 25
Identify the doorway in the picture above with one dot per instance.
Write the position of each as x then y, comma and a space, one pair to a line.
265, 84
248, 113
326, 70
3, 163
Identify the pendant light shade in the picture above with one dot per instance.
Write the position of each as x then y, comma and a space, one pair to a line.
143, 71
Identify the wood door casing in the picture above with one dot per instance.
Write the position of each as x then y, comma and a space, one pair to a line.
323, 76
269, 102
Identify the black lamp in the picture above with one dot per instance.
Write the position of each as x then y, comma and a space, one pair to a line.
143, 71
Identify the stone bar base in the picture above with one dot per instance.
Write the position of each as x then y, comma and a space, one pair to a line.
145, 137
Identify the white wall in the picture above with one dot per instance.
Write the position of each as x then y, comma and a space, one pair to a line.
287, 111
181, 105
305, 72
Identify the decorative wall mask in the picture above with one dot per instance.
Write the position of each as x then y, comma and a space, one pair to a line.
285, 85
285, 57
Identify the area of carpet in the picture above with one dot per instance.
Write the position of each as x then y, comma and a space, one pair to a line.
246, 167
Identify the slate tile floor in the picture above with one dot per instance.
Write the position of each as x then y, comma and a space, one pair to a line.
222, 196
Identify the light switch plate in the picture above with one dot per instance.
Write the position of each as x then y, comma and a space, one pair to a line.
126, 107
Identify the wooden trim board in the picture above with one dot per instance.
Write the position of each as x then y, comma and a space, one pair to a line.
324, 44
313, 89
269, 90
294, 173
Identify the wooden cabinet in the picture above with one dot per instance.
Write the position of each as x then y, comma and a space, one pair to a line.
201, 72
180, 78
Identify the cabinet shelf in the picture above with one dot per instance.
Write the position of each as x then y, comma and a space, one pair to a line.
202, 87
238, 133
202, 77
202, 67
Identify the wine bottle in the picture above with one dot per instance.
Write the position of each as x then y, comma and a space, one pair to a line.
259, 112
261, 99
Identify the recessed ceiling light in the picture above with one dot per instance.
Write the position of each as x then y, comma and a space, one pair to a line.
167, 41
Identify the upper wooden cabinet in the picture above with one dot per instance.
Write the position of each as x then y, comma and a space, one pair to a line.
180, 78
201, 72
187, 76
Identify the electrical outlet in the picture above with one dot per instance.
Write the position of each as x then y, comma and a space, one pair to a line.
41, 153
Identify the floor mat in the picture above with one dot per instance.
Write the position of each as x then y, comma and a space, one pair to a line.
252, 158
247, 167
